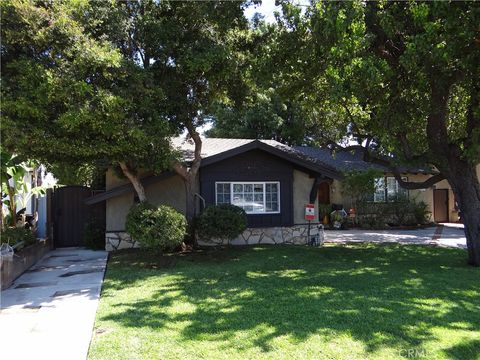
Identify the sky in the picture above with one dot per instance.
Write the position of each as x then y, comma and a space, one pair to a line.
267, 8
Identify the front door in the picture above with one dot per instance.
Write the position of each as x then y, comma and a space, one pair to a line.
440, 205
324, 193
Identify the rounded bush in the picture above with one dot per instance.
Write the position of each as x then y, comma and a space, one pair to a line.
161, 228
222, 221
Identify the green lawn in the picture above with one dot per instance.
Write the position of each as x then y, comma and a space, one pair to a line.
282, 302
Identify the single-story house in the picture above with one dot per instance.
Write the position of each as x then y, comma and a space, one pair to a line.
271, 181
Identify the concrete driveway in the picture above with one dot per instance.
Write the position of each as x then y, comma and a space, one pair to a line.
448, 235
49, 311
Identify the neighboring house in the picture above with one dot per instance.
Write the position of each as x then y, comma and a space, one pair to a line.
270, 180
28, 202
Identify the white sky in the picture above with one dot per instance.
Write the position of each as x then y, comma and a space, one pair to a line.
267, 8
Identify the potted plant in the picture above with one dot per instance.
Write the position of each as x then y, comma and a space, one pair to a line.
324, 211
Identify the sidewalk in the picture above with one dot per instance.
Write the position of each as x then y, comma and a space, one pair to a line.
49, 311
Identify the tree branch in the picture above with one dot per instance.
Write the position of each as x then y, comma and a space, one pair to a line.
135, 180
410, 185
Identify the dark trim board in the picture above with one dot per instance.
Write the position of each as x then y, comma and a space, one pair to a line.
293, 157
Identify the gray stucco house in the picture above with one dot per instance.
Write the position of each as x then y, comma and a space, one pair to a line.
273, 182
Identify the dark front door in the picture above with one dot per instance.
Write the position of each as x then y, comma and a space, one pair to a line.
324, 193
71, 214
440, 205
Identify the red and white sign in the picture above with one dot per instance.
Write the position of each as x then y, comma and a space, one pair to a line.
309, 212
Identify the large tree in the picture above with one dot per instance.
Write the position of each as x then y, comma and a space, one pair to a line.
401, 79
71, 97
116, 80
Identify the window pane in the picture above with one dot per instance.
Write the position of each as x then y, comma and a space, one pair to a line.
238, 199
223, 193
272, 206
379, 195
391, 189
237, 188
248, 188
258, 188
248, 209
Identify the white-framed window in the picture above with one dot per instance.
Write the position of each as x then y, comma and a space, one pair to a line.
253, 197
387, 189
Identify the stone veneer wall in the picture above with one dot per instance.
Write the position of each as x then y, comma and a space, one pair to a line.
296, 235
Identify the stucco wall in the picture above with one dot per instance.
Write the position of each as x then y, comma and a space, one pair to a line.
302, 185
337, 196
112, 180
170, 192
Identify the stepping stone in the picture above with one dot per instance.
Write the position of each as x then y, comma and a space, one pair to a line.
71, 292
46, 268
57, 256
81, 272
32, 285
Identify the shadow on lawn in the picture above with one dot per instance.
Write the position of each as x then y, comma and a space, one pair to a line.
380, 295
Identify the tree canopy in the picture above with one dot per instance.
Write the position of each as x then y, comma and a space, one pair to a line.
91, 80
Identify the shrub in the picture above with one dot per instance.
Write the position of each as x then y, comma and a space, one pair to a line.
161, 228
94, 237
401, 213
14, 235
222, 221
372, 222
421, 213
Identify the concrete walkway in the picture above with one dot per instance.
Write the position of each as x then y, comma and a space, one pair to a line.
49, 311
448, 235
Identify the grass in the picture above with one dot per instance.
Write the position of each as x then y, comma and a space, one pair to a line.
282, 302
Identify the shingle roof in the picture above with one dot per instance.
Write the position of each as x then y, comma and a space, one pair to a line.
215, 149
337, 162
347, 161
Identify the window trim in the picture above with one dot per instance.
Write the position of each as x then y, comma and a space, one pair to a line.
264, 183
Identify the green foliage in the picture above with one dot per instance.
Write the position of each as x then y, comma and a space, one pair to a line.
86, 174
15, 184
160, 229
421, 213
358, 184
14, 235
324, 209
401, 213
94, 236
222, 221
372, 221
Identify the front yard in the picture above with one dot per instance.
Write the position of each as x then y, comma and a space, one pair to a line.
283, 302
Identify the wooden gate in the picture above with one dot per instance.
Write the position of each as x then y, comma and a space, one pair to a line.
71, 215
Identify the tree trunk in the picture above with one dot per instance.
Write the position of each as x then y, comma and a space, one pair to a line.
135, 180
12, 205
465, 185
190, 177
460, 174
191, 189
